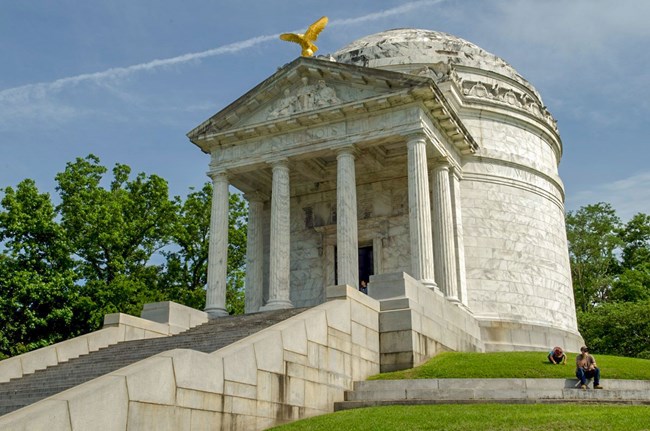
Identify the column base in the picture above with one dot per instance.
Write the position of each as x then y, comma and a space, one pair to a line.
216, 312
277, 304
431, 284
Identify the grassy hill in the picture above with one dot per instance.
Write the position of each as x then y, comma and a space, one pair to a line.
517, 417
530, 365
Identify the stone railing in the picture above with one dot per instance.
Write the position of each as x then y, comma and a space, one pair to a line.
294, 369
159, 319
416, 322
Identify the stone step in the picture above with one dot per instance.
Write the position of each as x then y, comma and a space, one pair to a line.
437, 391
207, 338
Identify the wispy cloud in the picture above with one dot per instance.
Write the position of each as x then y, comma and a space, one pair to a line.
628, 196
25, 93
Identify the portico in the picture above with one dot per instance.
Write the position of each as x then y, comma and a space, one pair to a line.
330, 158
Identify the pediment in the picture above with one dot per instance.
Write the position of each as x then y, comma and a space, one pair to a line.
304, 87
313, 91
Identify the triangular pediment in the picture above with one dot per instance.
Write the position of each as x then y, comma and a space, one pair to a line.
304, 86
308, 91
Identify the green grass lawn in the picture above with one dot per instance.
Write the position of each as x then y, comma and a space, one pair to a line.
453, 417
512, 417
517, 365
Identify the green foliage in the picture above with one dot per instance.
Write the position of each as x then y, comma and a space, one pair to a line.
525, 365
111, 245
186, 265
37, 284
461, 417
618, 328
592, 232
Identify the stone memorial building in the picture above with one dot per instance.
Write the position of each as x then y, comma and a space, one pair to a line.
407, 152
412, 160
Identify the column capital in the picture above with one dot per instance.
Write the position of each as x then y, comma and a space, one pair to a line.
221, 175
456, 172
416, 136
347, 150
441, 163
281, 162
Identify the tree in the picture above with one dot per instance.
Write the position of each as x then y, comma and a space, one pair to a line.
618, 328
37, 282
592, 233
114, 233
237, 234
636, 237
185, 277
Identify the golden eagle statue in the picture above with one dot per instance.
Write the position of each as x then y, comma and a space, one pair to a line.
305, 40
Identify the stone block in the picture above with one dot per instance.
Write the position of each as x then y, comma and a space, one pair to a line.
270, 386
269, 353
133, 333
72, 348
338, 315
364, 315
340, 341
241, 366
102, 401
10, 368
45, 415
144, 416
197, 370
295, 370
243, 406
397, 304
205, 421
294, 336
38, 360
150, 381
104, 337
295, 391
313, 396
239, 390
176, 315
396, 341
295, 358
396, 320
316, 323
200, 400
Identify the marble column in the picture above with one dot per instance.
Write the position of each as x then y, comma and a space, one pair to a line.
254, 254
347, 241
215, 302
422, 263
443, 232
279, 269
458, 237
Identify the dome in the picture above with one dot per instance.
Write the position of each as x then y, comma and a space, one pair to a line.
394, 48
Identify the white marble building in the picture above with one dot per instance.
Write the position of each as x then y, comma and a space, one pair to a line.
408, 151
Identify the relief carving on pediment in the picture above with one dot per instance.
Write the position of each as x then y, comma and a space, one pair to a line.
306, 98
507, 96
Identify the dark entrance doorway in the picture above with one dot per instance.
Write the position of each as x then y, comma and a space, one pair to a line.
366, 264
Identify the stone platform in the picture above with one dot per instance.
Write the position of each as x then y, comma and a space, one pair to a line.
507, 391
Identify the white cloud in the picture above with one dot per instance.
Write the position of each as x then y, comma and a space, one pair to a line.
628, 196
38, 101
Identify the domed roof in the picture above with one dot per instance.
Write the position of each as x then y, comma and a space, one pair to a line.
392, 48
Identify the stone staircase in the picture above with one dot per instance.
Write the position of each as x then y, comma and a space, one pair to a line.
207, 338
511, 391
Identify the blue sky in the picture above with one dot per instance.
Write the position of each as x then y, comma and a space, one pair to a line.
127, 79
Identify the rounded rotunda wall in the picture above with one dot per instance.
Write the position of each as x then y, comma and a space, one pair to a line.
512, 200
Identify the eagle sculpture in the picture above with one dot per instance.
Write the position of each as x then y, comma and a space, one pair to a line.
305, 40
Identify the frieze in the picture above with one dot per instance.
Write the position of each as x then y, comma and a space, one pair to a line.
507, 96
306, 98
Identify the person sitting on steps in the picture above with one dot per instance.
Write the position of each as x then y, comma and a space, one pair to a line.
557, 356
586, 368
